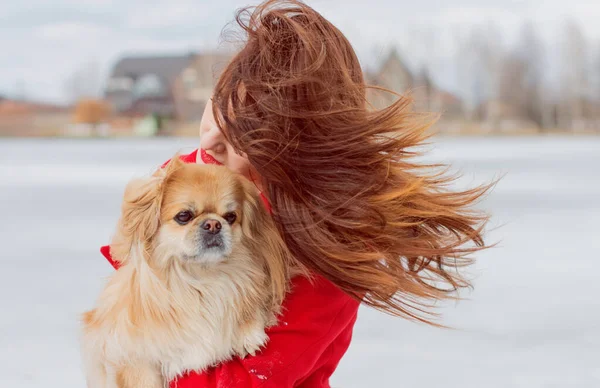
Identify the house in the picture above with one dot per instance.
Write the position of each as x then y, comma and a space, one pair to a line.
31, 118
394, 75
169, 86
139, 86
194, 86
504, 116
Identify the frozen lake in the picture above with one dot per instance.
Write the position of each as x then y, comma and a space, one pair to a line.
531, 321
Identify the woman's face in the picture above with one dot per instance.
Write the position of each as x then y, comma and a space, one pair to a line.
215, 149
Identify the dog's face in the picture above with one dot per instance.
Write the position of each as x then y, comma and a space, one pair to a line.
192, 213
201, 214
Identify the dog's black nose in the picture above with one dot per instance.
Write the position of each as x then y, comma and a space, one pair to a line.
211, 226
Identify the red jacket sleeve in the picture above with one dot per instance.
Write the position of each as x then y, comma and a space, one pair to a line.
304, 349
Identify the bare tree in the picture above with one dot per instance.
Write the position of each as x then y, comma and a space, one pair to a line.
595, 83
20, 90
478, 59
83, 83
530, 52
511, 76
574, 75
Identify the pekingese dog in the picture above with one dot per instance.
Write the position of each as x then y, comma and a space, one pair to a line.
203, 273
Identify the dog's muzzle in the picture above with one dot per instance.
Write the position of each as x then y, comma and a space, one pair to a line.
210, 231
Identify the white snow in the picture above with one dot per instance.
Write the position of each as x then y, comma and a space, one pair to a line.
533, 319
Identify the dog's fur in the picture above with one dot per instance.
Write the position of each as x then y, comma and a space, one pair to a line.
177, 303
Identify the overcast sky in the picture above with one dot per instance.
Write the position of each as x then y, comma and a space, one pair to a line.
42, 42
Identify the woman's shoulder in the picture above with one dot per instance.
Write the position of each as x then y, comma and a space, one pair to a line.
313, 333
315, 286
185, 158
314, 302
304, 348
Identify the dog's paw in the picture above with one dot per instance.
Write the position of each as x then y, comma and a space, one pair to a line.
252, 341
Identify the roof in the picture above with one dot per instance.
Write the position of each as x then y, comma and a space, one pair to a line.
166, 67
394, 59
10, 107
448, 98
392, 66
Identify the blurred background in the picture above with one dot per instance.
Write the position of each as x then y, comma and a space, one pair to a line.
102, 67
95, 92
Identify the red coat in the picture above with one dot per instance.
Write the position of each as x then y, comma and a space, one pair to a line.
303, 350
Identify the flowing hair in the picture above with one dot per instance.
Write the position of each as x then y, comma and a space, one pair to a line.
346, 193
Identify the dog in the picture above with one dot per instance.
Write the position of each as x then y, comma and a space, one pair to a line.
203, 272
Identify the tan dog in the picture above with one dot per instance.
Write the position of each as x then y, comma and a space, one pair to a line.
203, 272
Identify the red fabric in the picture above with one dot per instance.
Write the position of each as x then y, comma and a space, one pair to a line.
304, 349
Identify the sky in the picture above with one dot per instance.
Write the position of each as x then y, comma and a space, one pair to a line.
44, 42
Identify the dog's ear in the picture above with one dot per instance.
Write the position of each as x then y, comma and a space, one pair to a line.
140, 212
266, 243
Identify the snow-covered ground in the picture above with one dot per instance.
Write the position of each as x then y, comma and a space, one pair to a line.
533, 319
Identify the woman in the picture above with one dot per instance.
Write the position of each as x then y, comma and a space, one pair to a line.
289, 112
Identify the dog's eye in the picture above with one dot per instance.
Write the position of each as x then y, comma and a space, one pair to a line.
230, 218
184, 217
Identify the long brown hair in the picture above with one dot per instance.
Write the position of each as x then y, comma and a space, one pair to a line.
346, 194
